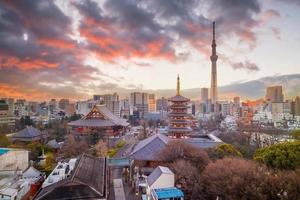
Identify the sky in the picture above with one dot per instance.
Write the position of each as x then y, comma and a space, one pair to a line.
77, 48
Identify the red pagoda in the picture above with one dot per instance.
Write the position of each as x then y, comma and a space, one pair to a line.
179, 123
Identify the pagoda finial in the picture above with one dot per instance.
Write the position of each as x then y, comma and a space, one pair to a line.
178, 85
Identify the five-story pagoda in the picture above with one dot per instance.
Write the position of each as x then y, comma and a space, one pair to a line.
179, 123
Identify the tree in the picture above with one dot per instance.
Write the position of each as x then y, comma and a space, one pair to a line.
230, 178
296, 134
4, 129
241, 142
280, 156
180, 150
4, 141
234, 178
223, 150
73, 148
101, 148
186, 176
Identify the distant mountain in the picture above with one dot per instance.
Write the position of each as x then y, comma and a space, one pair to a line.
254, 89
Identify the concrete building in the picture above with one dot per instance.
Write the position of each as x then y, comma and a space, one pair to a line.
140, 101
297, 106
204, 95
125, 108
6, 113
13, 159
62, 104
274, 94
111, 101
162, 104
152, 103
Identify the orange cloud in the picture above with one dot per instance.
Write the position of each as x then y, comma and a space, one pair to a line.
57, 43
27, 63
112, 47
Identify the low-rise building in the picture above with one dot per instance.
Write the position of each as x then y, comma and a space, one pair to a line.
88, 180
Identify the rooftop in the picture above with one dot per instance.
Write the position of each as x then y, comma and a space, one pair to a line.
29, 133
149, 148
158, 171
99, 116
87, 181
165, 193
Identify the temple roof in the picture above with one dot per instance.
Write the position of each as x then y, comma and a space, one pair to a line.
87, 181
149, 148
29, 133
179, 98
100, 116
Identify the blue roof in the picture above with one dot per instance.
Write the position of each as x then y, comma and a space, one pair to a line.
164, 193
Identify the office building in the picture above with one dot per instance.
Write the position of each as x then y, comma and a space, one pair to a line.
111, 101
152, 102
140, 102
162, 104
6, 113
63, 103
297, 106
204, 94
274, 94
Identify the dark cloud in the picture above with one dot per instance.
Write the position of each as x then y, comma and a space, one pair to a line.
114, 29
245, 65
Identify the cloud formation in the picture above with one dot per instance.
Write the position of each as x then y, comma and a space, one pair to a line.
51, 62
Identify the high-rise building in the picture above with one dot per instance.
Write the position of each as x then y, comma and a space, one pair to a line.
111, 101
162, 104
6, 113
297, 106
52, 106
63, 103
124, 108
214, 58
204, 95
140, 101
274, 94
152, 102
237, 100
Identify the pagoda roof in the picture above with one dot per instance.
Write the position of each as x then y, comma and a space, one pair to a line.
178, 114
99, 116
178, 98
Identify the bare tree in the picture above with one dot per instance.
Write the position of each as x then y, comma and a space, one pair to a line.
73, 148
177, 150
101, 148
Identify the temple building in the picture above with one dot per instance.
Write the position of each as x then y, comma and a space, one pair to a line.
99, 119
179, 123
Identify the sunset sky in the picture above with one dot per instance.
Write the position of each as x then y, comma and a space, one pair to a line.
52, 49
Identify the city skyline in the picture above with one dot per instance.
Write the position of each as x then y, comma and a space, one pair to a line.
71, 49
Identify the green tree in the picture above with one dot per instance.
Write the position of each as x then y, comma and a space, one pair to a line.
280, 156
224, 150
296, 134
4, 141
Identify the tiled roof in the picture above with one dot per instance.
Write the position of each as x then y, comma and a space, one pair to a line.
149, 148
29, 133
157, 173
179, 98
100, 116
87, 181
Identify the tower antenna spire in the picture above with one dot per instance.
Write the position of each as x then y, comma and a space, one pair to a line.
214, 31
178, 85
